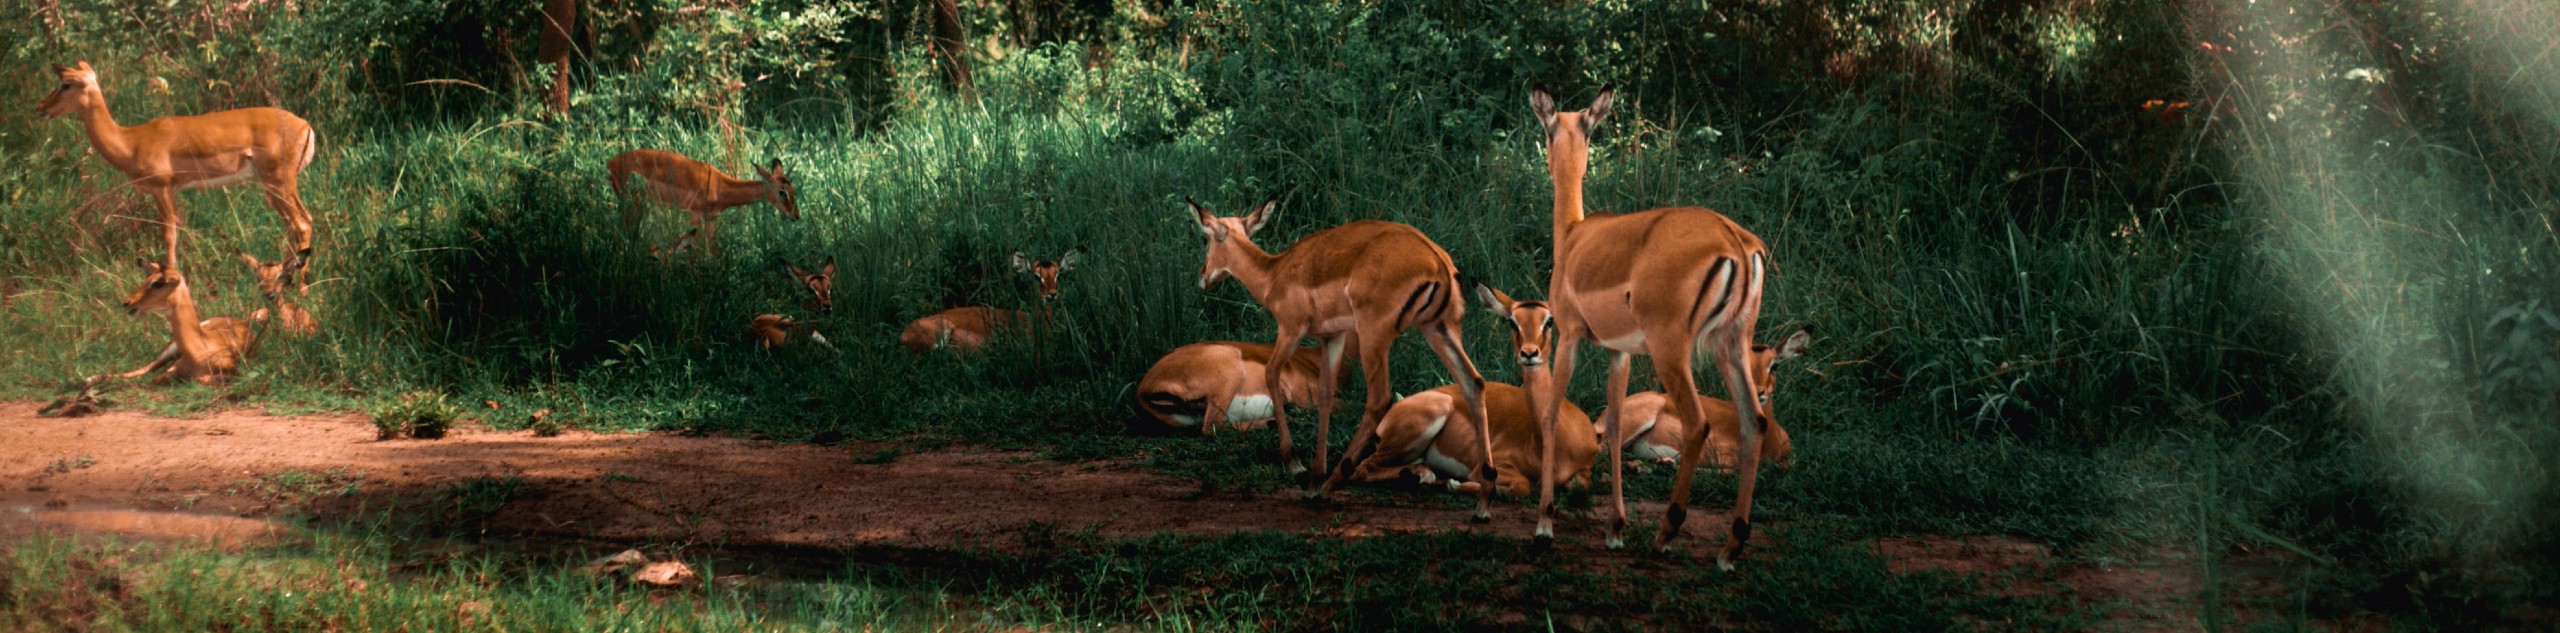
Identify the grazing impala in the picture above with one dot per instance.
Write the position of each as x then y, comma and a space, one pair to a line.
1365, 282
673, 180
292, 318
164, 155
1668, 283
967, 329
204, 351
1652, 433
1220, 383
1426, 434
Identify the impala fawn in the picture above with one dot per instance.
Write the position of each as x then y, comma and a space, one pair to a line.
967, 329
1429, 434
285, 314
205, 351
1654, 433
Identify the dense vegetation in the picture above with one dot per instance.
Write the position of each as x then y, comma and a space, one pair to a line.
2114, 275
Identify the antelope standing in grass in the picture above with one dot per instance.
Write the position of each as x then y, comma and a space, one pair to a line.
1220, 383
1430, 436
671, 179
1668, 283
205, 351
1653, 433
1364, 282
165, 155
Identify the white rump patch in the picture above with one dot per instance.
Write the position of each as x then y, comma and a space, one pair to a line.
1242, 409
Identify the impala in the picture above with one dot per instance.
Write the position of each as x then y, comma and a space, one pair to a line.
967, 329
1426, 434
774, 330
1668, 283
673, 180
205, 351
1654, 434
821, 285
1220, 383
1364, 282
1047, 274
292, 318
164, 155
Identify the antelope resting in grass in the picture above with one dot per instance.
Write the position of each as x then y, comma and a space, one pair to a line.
774, 330
285, 314
671, 179
1364, 282
1668, 283
1220, 383
1653, 433
821, 285
1428, 434
966, 329
164, 155
204, 351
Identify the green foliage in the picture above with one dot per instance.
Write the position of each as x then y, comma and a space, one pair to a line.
423, 415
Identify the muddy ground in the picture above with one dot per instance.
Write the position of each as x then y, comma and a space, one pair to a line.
222, 476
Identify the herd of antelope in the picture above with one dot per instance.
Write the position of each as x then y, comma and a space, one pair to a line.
1669, 283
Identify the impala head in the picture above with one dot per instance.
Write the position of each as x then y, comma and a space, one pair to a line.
79, 88
821, 284
1047, 271
270, 275
1533, 326
778, 189
1228, 237
1763, 357
159, 285
1568, 137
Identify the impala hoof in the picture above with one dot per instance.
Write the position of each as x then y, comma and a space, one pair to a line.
1616, 543
1542, 543
1481, 517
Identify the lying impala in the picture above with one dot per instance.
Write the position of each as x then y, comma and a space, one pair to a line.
1668, 283
821, 285
967, 329
164, 155
1220, 383
671, 179
772, 331
204, 351
1428, 434
1365, 282
1653, 433
292, 318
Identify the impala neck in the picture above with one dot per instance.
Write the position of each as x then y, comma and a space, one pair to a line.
104, 133
1252, 267
184, 326
1565, 166
735, 192
1535, 379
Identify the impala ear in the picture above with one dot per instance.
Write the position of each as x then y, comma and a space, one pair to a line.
1021, 264
796, 272
148, 266
1599, 111
1795, 344
1261, 215
774, 167
246, 258
830, 269
1068, 261
1208, 222
84, 67
1545, 105
1494, 299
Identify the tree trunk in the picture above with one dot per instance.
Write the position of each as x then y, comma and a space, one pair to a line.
559, 19
948, 49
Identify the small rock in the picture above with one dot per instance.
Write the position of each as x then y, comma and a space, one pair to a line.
616, 563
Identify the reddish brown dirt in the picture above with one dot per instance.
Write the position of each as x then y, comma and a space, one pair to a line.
132, 474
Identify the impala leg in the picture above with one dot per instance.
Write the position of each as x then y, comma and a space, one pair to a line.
1568, 343
284, 194
167, 356
1281, 348
1213, 412
1332, 377
1618, 365
1446, 341
1733, 358
170, 219
1373, 372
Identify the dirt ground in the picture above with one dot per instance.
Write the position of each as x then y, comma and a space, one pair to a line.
218, 476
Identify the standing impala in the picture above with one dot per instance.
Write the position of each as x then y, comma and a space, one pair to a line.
204, 351
1428, 435
1653, 433
1668, 283
673, 180
965, 329
1365, 282
1220, 383
164, 155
